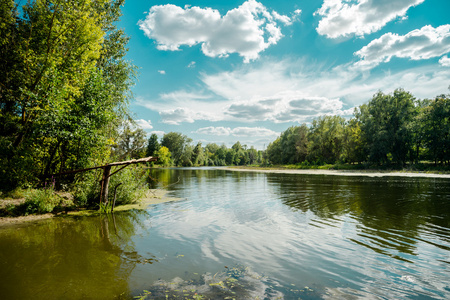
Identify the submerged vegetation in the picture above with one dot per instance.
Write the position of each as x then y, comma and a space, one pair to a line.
237, 282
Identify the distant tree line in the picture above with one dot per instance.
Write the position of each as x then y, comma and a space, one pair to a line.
391, 129
177, 149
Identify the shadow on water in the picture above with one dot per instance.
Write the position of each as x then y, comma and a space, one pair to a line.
89, 257
390, 213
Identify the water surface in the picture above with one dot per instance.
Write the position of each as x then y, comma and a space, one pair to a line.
244, 235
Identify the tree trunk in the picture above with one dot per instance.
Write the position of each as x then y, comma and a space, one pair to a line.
105, 185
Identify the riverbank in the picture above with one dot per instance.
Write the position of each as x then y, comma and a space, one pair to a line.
153, 196
368, 173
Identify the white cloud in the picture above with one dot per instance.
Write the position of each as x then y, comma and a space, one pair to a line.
246, 30
286, 91
342, 18
182, 96
424, 43
160, 134
177, 116
144, 124
253, 131
191, 64
162, 72
220, 131
445, 61
238, 131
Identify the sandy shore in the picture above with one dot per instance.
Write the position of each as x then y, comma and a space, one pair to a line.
342, 172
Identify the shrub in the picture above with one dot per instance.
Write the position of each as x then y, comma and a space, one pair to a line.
39, 201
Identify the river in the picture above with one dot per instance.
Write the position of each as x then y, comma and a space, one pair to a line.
244, 235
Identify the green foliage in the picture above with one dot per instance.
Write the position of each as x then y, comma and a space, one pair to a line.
130, 143
387, 131
152, 145
164, 157
65, 87
40, 202
436, 128
291, 147
176, 143
386, 126
326, 139
132, 186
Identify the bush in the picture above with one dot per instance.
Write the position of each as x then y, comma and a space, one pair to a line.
39, 202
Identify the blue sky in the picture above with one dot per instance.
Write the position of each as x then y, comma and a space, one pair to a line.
227, 71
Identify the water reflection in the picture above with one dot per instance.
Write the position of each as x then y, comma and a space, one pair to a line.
301, 236
390, 213
383, 236
69, 258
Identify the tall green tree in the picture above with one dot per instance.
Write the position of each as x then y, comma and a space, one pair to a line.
198, 155
354, 148
437, 128
386, 126
152, 145
273, 152
64, 89
130, 143
176, 143
326, 139
164, 157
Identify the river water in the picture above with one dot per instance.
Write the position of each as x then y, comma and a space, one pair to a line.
244, 235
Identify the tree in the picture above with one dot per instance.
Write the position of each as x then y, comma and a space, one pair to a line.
131, 142
64, 86
354, 149
386, 126
230, 157
327, 139
186, 156
273, 152
176, 143
198, 156
294, 144
437, 128
237, 146
164, 157
252, 156
153, 145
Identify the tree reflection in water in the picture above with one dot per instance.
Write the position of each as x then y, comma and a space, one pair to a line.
70, 257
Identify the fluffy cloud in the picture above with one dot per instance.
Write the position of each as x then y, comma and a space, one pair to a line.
291, 106
424, 43
160, 134
238, 131
177, 116
344, 17
286, 91
144, 124
162, 72
246, 30
445, 61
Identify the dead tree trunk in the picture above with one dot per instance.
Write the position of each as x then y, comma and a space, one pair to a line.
107, 173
